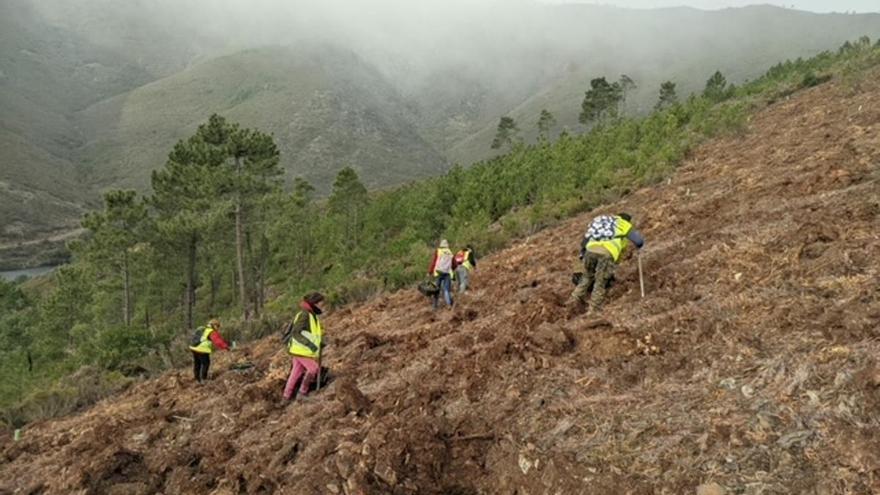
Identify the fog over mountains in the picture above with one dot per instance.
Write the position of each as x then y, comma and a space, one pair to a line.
93, 94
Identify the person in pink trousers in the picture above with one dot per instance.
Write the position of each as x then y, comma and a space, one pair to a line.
304, 341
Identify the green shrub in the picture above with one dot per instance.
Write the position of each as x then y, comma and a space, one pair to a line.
811, 79
83, 388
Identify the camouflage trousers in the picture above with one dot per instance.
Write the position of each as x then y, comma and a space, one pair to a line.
598, 269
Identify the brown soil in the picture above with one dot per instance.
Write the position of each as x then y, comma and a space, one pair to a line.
751, 363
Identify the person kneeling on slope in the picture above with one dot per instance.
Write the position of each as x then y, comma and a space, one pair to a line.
306, 338
202, 345
601, 249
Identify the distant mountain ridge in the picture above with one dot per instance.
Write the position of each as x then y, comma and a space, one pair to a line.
325, 107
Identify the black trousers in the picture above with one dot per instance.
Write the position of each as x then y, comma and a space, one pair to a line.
201, 363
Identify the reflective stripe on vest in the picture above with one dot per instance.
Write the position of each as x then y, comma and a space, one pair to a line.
297, 349
205, 345
614, 246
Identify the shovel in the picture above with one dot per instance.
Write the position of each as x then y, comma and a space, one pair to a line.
641, 276
318, 378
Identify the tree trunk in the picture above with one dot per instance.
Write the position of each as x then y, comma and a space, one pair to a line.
234, 285
191, 280
215, 286
239, 245
126, 275
258, 290
252, 274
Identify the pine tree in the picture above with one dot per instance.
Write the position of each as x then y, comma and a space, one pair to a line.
187, 205
626, 84
546, 122
506, 133
235, 167
293, 232
668, 97
114, 234
601, 101
716, 87
347, 202
255, 162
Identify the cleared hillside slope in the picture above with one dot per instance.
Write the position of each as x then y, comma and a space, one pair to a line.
759, 374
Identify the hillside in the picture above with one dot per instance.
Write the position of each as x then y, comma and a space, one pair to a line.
325, 107
652, 46
95, 93
759, 372
46, 74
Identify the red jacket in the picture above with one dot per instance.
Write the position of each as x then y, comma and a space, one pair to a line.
218, 341
433, 263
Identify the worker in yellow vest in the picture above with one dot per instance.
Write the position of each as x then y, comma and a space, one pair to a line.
202, 344
601, 249
464, 262
441, 270
305, 339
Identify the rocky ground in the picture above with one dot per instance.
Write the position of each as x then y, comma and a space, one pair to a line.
750, 367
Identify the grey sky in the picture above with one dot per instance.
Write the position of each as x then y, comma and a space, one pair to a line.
811, 5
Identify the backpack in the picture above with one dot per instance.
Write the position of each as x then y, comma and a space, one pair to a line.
196, 337
287, 333
602, 228
444, 262
460, 258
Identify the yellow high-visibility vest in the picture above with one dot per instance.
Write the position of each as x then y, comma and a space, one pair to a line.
441, 253
297, 349
612, 247
467, 259
205, 345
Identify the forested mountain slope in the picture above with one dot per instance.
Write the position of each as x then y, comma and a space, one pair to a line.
93, 94
325, 107
681, 45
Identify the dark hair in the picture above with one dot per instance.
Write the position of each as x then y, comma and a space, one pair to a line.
313, 297
625, 216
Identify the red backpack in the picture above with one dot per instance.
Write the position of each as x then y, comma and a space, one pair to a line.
459, 259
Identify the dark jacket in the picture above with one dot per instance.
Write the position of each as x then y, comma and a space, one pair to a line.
295, 329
